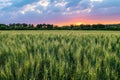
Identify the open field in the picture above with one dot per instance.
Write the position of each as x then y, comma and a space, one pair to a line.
59, 55
61, 32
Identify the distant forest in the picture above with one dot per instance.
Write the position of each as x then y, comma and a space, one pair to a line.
24, 26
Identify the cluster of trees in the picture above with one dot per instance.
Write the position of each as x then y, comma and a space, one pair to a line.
24, 26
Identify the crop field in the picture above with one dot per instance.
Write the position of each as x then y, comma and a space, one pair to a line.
59, 55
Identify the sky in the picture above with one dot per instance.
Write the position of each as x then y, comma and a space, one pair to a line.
60, 12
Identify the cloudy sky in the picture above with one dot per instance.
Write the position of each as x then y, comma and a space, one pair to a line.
60, 12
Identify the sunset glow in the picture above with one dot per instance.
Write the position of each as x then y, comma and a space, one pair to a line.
60, 12
78, 23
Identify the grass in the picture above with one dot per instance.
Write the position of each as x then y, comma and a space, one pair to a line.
59, 55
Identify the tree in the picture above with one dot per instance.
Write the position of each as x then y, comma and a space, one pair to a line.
39, 26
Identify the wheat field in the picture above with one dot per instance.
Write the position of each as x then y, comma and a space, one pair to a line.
59, 55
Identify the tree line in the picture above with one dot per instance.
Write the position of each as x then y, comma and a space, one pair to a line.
24, 26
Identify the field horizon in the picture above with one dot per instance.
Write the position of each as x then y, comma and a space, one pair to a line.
24, 26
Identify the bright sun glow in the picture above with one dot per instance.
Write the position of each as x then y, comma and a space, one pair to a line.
78, 23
